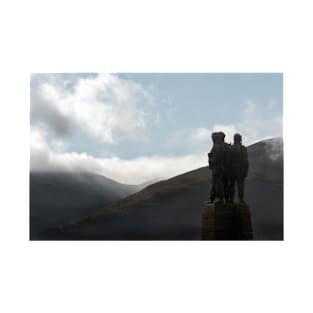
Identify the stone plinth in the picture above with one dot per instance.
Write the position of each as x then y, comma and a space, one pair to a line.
226, 221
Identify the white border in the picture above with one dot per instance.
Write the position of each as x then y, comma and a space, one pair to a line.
146, 36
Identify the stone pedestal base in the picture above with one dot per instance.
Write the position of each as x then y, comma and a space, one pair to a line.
226, 221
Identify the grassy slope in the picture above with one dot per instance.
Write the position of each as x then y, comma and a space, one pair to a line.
171, 209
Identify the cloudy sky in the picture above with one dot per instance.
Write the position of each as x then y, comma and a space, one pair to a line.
138, 127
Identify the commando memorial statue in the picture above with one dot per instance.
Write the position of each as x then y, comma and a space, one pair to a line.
219, 164
229, 165
223, 218
239, 168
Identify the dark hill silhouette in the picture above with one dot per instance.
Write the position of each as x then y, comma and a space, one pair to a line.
171, 209
267, 160
58, 197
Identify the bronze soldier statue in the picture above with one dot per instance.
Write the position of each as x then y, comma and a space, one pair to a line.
214, 176
226, 169
239, 168
218, 164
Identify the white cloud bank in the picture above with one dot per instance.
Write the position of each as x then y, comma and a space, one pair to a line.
108, 108
134, 171
201, 135
252, 125
104, 107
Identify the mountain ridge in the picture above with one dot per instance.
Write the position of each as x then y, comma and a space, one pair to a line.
171, 209
60, 196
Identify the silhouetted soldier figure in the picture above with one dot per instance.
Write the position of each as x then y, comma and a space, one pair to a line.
239, 167
226, 169
218, 160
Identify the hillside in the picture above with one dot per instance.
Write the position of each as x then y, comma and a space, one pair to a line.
58, 197
266, 158
171, 209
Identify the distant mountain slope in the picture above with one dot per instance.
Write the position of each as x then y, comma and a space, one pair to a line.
61, 196
266, 158
171, 209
